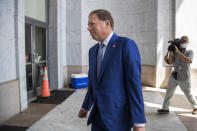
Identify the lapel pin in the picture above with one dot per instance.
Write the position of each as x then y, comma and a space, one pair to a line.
113, 46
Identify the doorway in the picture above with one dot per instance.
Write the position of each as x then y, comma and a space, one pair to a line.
35, 56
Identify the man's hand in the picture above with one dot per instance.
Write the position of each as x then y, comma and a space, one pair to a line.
170, 53
177, 50
139, 128
83, 113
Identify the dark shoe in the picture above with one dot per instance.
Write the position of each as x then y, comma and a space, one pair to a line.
163, 111
194, 111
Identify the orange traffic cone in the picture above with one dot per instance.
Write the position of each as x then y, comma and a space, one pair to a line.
45, 84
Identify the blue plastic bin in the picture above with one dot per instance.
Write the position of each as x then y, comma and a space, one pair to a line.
79, 80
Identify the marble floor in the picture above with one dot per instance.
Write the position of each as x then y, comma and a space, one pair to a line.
64, 116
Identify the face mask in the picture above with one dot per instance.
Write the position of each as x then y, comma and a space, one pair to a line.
184, 46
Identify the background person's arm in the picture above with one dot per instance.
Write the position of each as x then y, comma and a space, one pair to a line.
183, 57
170, 57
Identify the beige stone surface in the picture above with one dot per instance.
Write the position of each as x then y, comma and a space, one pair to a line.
64, 117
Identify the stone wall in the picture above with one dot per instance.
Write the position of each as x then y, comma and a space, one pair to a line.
12, 53
57, 49
9, 100
7, 38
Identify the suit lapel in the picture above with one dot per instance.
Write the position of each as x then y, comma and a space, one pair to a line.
109, 50
95, 62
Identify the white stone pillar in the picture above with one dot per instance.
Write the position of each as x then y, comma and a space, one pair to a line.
57, 44
20, 51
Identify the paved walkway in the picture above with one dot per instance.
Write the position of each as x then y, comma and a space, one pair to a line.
64, 116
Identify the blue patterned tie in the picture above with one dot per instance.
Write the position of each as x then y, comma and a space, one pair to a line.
99, 57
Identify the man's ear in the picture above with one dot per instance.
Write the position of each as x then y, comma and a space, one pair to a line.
107, 23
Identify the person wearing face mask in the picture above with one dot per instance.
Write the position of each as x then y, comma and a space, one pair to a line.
181, 60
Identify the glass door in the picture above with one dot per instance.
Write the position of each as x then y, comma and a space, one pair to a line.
35, 56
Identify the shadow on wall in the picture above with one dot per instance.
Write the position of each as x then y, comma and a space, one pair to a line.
178, 3
156, 77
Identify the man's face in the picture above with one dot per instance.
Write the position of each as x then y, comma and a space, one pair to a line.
97, 28
186, 42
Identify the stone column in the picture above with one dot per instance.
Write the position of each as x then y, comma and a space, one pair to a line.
20, 51
74, 37
165, 32
57, 44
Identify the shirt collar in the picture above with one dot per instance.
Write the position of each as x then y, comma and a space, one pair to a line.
106, 41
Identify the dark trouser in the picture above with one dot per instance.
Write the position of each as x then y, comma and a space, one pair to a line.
97, 123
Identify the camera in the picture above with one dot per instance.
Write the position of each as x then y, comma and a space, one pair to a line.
176, 42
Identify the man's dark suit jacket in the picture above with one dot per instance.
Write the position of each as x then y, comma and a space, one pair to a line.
117, 91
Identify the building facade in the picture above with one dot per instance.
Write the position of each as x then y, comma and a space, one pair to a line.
35, 33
